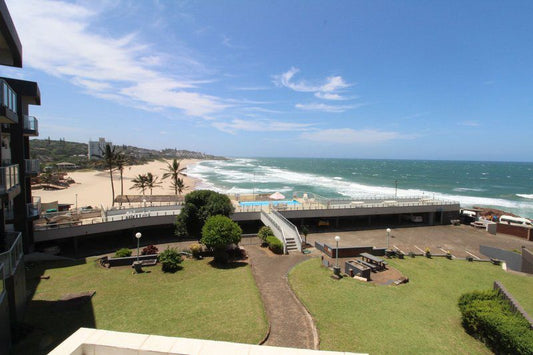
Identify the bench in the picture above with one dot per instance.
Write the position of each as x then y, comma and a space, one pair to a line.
371, 266
149, 262
374, 260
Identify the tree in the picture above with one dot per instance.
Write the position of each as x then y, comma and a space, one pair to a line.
151, 181
108, 161
218, 232
180, 185
139, 182
199, 206
120, 162
173, 171
305, 232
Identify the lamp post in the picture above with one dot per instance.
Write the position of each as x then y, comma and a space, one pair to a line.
337, 269
138, 235
388, 238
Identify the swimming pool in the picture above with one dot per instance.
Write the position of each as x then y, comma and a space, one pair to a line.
266, 203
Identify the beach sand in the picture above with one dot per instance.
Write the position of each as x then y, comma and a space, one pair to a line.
93, 188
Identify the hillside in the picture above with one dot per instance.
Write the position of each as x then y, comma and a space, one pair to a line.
51, 152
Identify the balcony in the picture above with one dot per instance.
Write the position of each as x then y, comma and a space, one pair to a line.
8, 104
33, 209
13, 253
31, 126
9, 178
32, 167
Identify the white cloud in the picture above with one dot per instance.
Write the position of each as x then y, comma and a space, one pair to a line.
61, 39
259, 126
349, 136
326, 108
326, 90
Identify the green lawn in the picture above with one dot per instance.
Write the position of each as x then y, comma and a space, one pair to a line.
199, 301
419, 317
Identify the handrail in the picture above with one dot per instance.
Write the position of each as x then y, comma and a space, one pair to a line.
276, 226
291, 226
100, 220
8, 97
11, 258
30, 123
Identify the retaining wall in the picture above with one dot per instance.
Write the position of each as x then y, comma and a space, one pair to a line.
515, 305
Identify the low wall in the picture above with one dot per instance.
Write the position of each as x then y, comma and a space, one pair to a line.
16, 293
354, 269
5, 324
517, 231
527, 261
513, 260
515, 305
127, 260
348, 252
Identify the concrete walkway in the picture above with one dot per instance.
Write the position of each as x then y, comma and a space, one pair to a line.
291, 325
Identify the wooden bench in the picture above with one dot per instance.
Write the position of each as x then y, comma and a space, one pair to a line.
382, 264
371, 266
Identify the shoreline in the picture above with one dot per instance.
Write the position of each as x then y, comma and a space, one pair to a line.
93, 188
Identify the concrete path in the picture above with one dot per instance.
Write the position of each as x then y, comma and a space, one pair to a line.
291, 325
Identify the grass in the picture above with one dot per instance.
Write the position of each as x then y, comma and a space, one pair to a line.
199, 301
419, 317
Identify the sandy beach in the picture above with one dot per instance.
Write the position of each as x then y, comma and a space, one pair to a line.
93, 188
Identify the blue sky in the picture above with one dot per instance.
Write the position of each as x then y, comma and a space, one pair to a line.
353, 79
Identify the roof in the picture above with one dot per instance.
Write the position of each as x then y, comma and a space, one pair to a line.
29, 89
10, 46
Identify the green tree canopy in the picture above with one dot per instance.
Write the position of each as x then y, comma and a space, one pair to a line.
220, 231
199, 206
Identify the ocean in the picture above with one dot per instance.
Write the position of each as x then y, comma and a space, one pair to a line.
506, 186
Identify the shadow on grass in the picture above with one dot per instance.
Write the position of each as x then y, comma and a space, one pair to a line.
47, 323
228, 265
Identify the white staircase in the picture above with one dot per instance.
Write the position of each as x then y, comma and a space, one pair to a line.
283, 229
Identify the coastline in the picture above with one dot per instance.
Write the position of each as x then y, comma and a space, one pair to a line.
93, 188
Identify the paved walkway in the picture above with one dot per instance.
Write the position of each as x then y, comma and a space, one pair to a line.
291, 326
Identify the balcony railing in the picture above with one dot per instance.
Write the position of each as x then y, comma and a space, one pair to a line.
8, 98
31, 125
33, 209
14, 253
9, 177
32, 166
9, 213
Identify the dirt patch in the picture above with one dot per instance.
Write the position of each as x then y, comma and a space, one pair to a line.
386, 277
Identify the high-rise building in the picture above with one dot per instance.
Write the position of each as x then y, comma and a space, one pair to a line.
17, 208
96, 149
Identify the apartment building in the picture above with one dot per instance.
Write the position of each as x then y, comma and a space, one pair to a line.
17, 208
96, 148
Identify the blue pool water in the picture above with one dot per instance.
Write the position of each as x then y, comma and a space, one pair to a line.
265, 203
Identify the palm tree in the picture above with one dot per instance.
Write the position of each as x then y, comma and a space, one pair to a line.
109, 157
173, 172
151, 182
139, 183
120, 162
180, 185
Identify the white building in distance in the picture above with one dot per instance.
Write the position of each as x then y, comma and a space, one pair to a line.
96, 148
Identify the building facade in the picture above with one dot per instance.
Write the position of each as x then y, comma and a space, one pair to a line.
17, 207
96, 149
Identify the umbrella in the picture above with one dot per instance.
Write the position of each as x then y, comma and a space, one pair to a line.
277, 196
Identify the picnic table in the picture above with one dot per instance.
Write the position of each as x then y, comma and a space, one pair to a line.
369, 258
369, 265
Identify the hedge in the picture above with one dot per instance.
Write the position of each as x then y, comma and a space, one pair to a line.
264, 233
275, 244
487, 316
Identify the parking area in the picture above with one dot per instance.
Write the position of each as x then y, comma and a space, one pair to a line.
462, 241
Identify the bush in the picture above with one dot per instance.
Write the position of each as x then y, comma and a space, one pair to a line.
264, 232
149, 250
199, 206
487, 316
196, 249
275, 244
170, 260
122, 253
219, 232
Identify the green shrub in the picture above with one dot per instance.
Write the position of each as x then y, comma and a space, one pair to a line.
122, 253
170, 260
196, 249
487, 316
275, 244
264, 232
